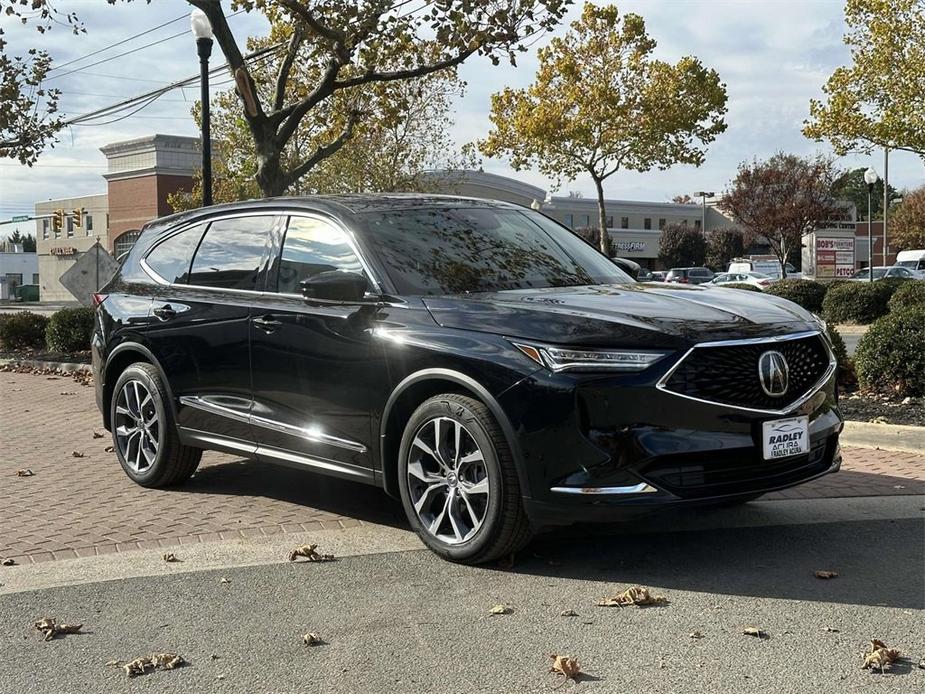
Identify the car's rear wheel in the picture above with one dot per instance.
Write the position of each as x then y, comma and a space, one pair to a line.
458, 482
144, 432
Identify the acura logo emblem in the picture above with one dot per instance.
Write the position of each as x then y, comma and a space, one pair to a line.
773, 373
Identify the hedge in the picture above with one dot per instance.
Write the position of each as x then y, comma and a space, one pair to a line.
741, 285
858, 302
889, 358
806, 293
22, 330
908, 295
69, 329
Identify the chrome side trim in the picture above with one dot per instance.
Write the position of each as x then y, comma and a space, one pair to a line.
833, 364
641, 488
199, 403
309, 433
341, 469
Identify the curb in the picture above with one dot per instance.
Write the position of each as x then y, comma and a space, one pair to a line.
890, 437
852, 329
69, 367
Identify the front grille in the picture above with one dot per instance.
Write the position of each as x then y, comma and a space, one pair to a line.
728, 374
720, 473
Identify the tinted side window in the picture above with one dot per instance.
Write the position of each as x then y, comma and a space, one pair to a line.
313, 246
231, 253
171, 258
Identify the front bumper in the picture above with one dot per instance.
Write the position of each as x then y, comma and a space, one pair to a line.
605, 448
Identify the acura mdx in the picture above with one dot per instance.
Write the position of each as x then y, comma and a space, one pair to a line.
473, 358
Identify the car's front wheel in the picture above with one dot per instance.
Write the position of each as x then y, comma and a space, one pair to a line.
144, 432
458, 482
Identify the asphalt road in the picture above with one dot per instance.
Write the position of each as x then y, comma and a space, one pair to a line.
409, 622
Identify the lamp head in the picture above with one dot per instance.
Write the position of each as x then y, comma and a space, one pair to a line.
870, 176
200, 24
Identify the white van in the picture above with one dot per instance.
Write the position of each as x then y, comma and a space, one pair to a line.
765, 266
914, 260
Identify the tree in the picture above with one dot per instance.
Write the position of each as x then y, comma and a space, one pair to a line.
781, 199
405, 133
681, 246
601, 103
850, 186
29, 118
348, 43
722, 246
683, 200
907, 229
878, 100
27, 241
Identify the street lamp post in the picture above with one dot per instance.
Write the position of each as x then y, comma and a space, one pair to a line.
703, 195
870, 178
202, 30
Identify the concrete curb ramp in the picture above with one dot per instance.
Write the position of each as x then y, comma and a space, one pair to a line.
891, 437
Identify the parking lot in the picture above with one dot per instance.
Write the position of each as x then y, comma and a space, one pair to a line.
79, 503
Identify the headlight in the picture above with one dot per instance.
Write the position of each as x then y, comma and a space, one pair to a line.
561, 359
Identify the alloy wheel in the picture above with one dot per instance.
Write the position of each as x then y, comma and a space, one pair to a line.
137, 426
448, 480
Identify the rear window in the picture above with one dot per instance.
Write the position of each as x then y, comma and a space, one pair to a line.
700, 272
170, 259
676, 273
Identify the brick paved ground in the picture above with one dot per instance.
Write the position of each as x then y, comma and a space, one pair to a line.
79, 506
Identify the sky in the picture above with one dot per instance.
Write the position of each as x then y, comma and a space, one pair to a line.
773, 55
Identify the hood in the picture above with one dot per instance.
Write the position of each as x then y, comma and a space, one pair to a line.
632, 315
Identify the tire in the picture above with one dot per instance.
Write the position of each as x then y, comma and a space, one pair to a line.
483, 461
152, 456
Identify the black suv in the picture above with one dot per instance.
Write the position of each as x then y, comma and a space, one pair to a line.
474, 358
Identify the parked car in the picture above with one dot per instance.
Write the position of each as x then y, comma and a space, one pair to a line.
473, 358
645, 275
658, 276
765, 266
756, 279
883, 272
914, 260
689, 275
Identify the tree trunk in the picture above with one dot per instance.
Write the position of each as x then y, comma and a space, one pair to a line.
782, 257
604, 237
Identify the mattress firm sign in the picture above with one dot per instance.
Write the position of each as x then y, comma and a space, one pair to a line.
834, 257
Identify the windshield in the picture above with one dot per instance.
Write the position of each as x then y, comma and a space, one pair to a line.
908, 263
460, 250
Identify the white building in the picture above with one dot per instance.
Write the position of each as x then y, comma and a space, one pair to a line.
16, 269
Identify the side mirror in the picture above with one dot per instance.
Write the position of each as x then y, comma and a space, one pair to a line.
335, 287
628, 266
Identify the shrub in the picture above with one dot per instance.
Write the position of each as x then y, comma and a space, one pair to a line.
890, 358
22, 330
858, 302
741, 285
908, 295
838, 346
69, 329
806, 293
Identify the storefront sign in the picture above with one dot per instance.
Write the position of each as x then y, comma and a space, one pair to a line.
834, 258
63, 251
631, 246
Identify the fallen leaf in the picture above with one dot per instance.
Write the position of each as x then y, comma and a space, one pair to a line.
696, 634
68, 392
97, 435
311, 639
636, 595
224, 580
310, 553
825, 574
109, 449
565, 665
501, 609
213, 656
77, 454
170, 557
899, 486
219, 677
51, 629
880, 656
25, 472
167, 661
755, 631
568, 613
8, 562
832, 630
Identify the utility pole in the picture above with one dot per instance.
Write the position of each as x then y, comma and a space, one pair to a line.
886, 196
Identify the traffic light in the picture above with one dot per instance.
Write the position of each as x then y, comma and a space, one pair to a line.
78, 213
57, 221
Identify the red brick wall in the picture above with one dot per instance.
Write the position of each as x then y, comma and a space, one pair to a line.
135, 201
877, 233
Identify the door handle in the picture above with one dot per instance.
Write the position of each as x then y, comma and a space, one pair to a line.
267, 323
165, 312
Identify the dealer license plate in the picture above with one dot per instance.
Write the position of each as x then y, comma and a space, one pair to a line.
783, 438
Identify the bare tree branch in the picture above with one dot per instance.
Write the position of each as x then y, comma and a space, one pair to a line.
282, 77
392, 75
325, 151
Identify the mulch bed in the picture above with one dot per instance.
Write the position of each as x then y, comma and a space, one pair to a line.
44, 355
864, 407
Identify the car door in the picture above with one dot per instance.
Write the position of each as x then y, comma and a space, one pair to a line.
314, 367
201, 332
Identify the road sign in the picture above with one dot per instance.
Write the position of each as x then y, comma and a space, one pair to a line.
20, 218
